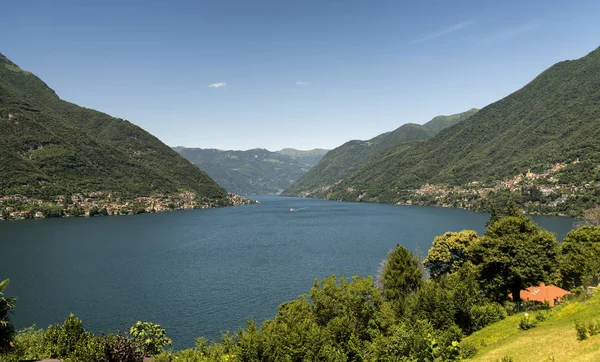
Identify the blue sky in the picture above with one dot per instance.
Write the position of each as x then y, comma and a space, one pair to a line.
303, 74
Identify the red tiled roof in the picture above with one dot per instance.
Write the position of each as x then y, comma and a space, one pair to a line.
543, 293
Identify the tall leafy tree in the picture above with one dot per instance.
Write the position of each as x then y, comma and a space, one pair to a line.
580, 257
401, 276
7, 330
515, 253
449, 252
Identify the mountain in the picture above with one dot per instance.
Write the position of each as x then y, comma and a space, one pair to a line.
309, 158
551, 126
342, 162
256, 171
50, 147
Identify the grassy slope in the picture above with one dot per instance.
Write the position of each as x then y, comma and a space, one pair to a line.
555, 337
341, 162
52, 147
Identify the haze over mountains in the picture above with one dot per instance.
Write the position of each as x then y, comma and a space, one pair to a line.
51, 147
256, 171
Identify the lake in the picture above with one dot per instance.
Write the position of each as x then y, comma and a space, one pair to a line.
200, 272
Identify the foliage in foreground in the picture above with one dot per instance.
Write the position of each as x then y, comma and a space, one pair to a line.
401, 318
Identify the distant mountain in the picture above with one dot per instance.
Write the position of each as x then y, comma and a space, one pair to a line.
256, 171
51, 147
309, 158
342, 162
552, 124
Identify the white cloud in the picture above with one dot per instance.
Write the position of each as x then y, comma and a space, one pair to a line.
299, 82
217, 85
442, 32
508, 33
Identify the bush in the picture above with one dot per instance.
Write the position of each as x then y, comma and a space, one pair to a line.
541, 316
119, 348
151, 337
593, 328
581, 330
62, 340
486, 314
527, 322
468, 350
506, 359
7, 330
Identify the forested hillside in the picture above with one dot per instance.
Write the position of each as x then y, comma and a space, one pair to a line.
539, 145
51, 147
341, 162
256, 171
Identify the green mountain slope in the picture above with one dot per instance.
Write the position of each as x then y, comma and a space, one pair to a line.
554, 118
341, 162
256, 171
51, 147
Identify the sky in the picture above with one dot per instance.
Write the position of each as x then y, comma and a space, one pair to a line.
241, 74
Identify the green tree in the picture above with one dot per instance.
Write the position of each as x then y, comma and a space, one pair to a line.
580, 257
515, 253
7, 330
449, 252
401, 276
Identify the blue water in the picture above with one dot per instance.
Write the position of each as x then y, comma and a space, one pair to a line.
201, 272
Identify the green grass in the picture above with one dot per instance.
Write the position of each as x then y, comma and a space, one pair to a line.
551, 340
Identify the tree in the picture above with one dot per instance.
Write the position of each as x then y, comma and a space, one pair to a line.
514, 253
580, 257
400, 276
449, 252
7, 330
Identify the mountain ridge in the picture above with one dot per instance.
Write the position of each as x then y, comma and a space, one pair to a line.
552, 120
254, 171
52, 147
341, 162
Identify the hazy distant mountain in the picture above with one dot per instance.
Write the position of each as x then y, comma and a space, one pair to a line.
341, 162
256, 171
51, 147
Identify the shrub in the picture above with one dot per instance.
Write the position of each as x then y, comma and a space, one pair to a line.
581, 330
468, 350
486, 314
62, 340
151, 337
526, 322
593, 328
7, 330
119, 348
541, 316
506, 359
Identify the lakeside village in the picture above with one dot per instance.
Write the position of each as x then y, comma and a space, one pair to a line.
540, 193
18, 207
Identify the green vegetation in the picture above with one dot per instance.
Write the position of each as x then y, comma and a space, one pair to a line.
563, 335
51, 147
7, 330
256, 171
463, 312
553, 120
340, 163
